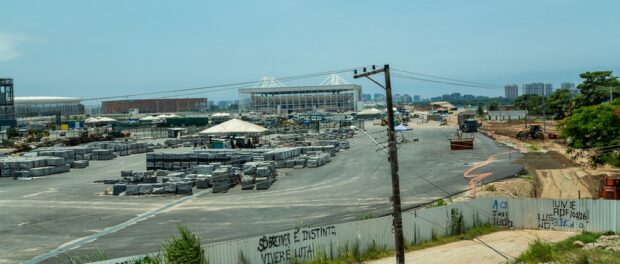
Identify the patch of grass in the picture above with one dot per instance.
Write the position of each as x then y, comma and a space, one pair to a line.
376, 252
440, 202
149, 260
366, 216
97, 256
539, 251
478, 231
532, 147
565, 252
490, 188
467, 235
349, 254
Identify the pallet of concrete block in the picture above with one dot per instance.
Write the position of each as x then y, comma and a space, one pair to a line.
221, 180
184, 188
102, 154
129, 176
281, 154
203, 181
263, 183
32, 166
80, 164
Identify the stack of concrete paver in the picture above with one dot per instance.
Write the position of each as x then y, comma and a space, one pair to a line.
317, 159
182, 161
32, 166
102, 154
143, 183
223, 178
76, 157
338, 133
123, 148
260, 174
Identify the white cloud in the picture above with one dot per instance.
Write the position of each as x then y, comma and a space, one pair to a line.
9, 44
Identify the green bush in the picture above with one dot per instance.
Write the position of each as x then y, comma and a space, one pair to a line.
184, 249
538, 251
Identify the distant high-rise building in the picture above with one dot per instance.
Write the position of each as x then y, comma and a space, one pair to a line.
571, 87
416, 98
469, 97
7, 104
539, 89
567, 85
407, 99
366, 97
548, 89
511, 91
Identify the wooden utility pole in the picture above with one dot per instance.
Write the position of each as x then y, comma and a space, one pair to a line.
392, 158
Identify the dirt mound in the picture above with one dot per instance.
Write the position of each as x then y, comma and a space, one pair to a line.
545, 160
569, 183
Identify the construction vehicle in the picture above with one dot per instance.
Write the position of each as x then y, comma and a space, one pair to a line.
534, 132
469, 125
458, 142
610, 189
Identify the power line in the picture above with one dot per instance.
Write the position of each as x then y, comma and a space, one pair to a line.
402, 76
445, 78
282, 79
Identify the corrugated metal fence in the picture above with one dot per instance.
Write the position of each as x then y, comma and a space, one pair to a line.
419, 226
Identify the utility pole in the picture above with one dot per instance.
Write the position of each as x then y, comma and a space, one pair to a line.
392, 158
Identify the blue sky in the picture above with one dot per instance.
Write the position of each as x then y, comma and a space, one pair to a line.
103, 48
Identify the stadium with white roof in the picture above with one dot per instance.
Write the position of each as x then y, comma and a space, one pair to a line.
270, 96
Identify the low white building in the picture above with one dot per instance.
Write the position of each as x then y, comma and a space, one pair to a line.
506, 115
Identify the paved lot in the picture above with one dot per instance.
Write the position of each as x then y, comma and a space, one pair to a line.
39, 216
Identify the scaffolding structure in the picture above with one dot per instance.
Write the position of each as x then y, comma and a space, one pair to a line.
7, 104
333, 95
33, 106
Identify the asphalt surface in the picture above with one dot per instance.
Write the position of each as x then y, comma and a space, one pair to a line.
40, 216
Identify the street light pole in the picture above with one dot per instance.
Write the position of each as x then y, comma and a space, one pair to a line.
393, 158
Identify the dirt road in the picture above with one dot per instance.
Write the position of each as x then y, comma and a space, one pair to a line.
507, 245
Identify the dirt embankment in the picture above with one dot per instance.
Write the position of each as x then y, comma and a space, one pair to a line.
551, 172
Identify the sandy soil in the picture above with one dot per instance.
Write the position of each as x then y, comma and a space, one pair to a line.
509, 243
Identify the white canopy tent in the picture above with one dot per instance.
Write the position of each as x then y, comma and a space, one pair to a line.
405, 132
234, 126
370, 111
149, 118
96, 120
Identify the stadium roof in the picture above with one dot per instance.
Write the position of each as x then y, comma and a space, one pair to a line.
46, 100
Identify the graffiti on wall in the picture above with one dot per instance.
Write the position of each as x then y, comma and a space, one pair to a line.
564, 214
499, 213
296, 244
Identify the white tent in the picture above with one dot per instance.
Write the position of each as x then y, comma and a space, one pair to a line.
149, 118
93, 120
164, 116
371, 111
220, 115
401, 128
234, 126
